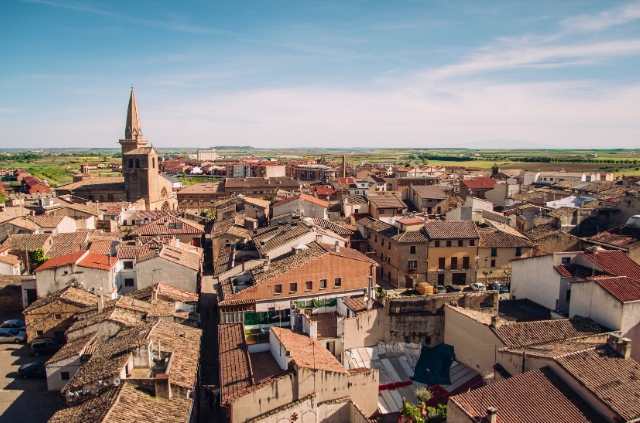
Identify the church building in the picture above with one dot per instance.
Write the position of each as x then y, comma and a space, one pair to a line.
141, 178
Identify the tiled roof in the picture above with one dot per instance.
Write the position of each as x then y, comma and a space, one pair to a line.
615, 262
227, 226
203, 188
127, 251
285, 183
533, 397
125, 404
431, 191
333, 227
235, 367
493, 238
411, 221
479, 316
621, 287
97, 261
451, 229
386, 202
613, 379
95, 183
279, 236
355, 199
623, 236
307, 352
165, 292
70, 294
67, 243
176, 255
169, 225
545, 331
479, 183
109, 357
73, 348
358, 305
101, 246
24, 223
553, 349
125, 311
10, 259
64, 260
391, 231
184, 344
302, 197
289, 262
47, 220
31, 242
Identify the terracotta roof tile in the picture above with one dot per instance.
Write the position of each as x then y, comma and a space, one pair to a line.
31, 242
98, 261
70, 294
333, 227
235, 367
479, 183
73, 348
386, 202
355, 199
67, 243
545, 331
615, 262
64, 260
533, 397
613, 379
621, 287
307, 352
431, 191
302, 197
493, 238
169, 225
47, 220
452, 229
623, 236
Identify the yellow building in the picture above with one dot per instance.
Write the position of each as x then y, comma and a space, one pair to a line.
496, 250
451, 252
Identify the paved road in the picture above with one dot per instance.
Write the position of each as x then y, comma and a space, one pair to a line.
23, 400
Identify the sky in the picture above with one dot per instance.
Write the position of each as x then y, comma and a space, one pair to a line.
271, 74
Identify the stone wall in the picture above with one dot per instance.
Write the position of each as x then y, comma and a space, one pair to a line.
10, 296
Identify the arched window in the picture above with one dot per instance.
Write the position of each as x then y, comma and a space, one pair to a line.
130, 162
153, 163
137, 162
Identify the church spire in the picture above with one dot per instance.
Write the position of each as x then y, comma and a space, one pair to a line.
133, 130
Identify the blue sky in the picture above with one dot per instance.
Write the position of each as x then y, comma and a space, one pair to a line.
321, 74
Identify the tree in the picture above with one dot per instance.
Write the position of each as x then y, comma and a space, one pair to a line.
3, 198
37, 257
270, 197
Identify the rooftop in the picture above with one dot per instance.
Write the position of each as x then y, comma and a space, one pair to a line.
624, 289
535, 396
545, 331
386, 202
494, 238
625, 237
47, 220
203, 188
431, 191
451, 229
31, 242
302, 197
169, 225
615, 262
235, 366
70, 294
307, 352
479, 183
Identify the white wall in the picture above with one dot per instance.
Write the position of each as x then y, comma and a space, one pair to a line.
54, 370
67, 225
536, 279
50, 280
278, 351
310, 209
157, 269
9, 269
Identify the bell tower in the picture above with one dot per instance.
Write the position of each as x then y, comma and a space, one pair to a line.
133, 129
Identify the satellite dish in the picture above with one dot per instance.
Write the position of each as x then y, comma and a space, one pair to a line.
116, 381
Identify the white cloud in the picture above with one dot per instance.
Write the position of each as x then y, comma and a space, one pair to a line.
617, 16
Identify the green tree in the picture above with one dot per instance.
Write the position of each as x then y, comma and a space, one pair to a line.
270, 197
3, 198
37, 257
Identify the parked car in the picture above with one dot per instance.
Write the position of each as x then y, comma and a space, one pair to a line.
453, 288
12, 335
441, 289
478, 287
497, 286
44, 346
13, 324
32, 370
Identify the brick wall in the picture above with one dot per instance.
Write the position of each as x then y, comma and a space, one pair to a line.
396, 268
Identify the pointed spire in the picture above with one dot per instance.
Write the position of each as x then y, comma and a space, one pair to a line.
133, 130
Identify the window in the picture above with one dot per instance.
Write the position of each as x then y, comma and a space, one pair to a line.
153, 162
58, 316
382, 242
128, 264
413, 264
441, 263
338, 282
412, 249
137, 162
388, 259
381, 212
308, 285
130, 162
493, 263
64, 375
566, 260
436, 243
277, 289
518, 251
454, 263
472, 242
39, 333
460, 243
293, 287
375, 238
389, 245
128, 282
323, 284
494, 252
465, 262
441, 279
448, 243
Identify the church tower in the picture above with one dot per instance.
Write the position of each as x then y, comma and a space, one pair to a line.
140, 166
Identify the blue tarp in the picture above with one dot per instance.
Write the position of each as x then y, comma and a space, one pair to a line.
434, 364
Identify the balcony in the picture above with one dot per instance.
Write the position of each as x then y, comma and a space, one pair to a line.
412, 270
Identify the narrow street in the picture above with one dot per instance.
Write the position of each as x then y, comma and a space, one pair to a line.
209, 352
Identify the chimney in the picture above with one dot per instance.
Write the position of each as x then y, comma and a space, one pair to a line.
155, 294
620, 344
177, 243
267, 263
337, 247
318, 238
495, 322
370, 294
492, 415
162, 386
100, 302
